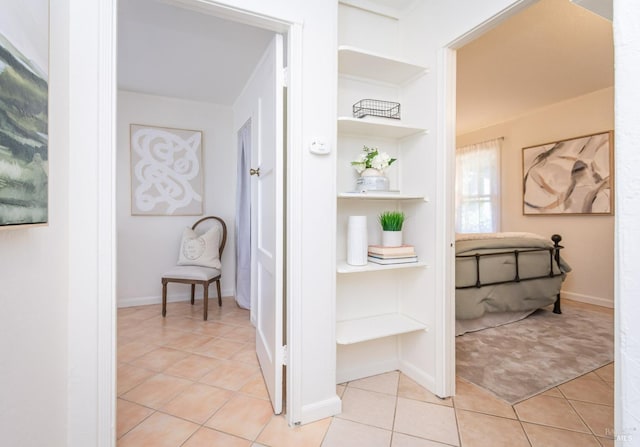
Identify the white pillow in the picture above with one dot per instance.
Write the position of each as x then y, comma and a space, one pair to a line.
200, 250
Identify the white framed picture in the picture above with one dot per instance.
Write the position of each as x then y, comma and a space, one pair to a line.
166, 171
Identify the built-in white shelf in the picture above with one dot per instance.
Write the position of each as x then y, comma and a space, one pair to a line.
371, 328
366, 64
381, 127
380, 195
343, 267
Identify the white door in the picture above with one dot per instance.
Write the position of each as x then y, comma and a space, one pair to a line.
267, 216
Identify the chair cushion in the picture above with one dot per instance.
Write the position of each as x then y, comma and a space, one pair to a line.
201, 250
192, 272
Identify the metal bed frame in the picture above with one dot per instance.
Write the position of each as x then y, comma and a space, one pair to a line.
554, 256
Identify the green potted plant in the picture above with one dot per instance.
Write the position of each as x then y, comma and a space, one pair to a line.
391, 223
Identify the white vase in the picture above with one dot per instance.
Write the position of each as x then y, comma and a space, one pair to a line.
357, 240
372, 180
391, 238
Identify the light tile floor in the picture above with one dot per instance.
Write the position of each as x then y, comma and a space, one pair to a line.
186, 382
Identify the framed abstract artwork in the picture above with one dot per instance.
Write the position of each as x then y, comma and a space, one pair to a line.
24, 112
166, 171
573, 176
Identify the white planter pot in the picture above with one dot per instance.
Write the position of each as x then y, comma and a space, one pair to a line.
372, 180
371, 172
391, 238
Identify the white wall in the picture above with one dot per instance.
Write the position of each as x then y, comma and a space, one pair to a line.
34, 286
626, 21
148, 245
588, 239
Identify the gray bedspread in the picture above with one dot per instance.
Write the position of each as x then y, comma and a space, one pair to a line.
526, 295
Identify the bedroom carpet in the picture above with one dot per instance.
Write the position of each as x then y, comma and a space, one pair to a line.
521, 359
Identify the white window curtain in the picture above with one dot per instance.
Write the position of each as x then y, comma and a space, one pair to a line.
478, 187
243, 219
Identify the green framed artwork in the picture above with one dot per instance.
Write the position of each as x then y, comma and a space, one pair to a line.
24, 117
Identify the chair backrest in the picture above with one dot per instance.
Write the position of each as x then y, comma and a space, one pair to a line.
220, 222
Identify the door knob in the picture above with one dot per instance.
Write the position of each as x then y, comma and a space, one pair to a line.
254, 172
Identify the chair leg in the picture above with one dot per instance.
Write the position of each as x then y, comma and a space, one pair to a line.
219, 294
193, 293
164, 298
206, 300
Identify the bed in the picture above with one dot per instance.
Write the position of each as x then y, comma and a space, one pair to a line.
504, 277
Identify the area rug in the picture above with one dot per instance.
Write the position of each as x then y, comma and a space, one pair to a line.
522, 359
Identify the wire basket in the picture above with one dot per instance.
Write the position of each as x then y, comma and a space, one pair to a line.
376, 107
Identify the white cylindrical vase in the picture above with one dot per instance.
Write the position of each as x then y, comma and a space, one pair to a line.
357, 240
392, 238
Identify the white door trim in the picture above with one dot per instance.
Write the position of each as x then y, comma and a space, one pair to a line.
445, 344
104, 371
107, 251
91, 334
293, 226
445, 373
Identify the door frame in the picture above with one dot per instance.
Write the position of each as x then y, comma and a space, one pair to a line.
293, 199
105, 401
447, 90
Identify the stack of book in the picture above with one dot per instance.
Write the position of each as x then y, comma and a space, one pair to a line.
402, 254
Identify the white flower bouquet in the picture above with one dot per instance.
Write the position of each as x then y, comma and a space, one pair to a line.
370, 157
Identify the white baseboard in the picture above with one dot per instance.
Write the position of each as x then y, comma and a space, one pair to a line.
157, 299
418, 376
146, 300
366, 370
320, 410
598, 301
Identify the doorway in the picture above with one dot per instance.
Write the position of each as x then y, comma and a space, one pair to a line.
561, 116
186, 103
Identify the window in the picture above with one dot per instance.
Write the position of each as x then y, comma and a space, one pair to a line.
478, 187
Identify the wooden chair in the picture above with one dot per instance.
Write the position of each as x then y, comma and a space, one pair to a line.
195, 274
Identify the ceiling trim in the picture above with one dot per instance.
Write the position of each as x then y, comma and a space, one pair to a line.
235, 14
370, 6
490, 23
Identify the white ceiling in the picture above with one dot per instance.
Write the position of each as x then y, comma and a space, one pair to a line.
550, 52
170, 51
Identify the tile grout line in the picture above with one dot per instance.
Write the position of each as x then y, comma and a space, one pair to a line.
395, 412
200, 425
564, 398
141, 421
455, 413
155, 373
526, 435
583, 420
